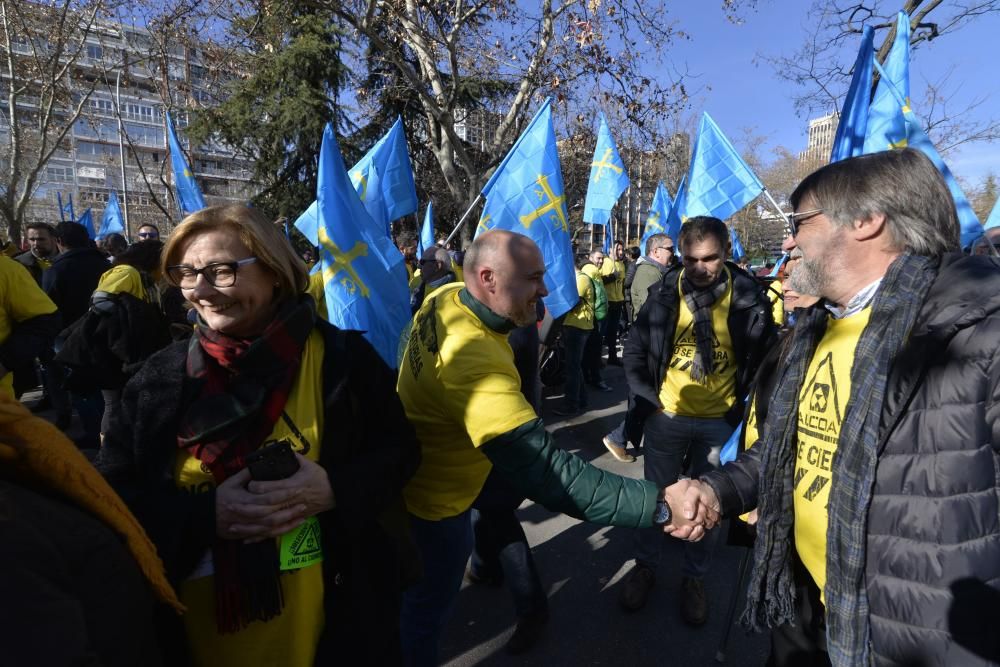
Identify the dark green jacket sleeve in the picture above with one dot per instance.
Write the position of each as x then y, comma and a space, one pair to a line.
562, 482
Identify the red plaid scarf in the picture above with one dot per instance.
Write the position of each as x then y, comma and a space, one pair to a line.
245, 385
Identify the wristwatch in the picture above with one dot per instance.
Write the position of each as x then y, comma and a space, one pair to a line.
662, 514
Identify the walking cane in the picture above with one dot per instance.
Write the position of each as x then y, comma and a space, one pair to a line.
720, 655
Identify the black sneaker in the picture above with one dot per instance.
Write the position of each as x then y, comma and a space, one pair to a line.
635, 590
566, 411
694, 602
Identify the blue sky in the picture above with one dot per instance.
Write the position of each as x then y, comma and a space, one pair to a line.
747, 94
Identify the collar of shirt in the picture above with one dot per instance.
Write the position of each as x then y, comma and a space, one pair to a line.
857, 304
494, 321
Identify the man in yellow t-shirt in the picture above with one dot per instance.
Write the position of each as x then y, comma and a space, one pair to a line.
690, 356
577, 327
462, 393
28, 320
613, 276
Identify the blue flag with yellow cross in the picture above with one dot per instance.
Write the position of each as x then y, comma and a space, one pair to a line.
525, 195
383, 178
608, 178
886, 127
656, 219
363, 274
189, 198
850, 138
719, 182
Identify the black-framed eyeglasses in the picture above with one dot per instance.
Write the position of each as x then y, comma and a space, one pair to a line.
796, 219
218, 274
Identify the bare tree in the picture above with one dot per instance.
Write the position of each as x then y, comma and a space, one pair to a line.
570, 49
822, 64
46, 91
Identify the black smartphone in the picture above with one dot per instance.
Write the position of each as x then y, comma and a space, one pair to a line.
273, 461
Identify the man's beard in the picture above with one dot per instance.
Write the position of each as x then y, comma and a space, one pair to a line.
811, 276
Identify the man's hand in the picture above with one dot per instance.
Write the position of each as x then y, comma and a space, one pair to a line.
695, 509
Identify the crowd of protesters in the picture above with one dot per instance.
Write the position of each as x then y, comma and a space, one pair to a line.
255, 486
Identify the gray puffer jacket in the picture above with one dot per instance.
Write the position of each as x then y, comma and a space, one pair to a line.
933, 561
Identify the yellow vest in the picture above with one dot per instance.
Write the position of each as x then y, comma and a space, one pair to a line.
291, 638
823, 401
460, 389
680, 394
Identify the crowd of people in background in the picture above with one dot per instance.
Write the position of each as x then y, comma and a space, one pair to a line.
254, 486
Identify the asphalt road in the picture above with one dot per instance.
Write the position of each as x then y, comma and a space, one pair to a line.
582, 566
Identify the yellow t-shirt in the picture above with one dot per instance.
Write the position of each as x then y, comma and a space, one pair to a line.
317, 291
582, 315
290, 639
777, 302
680, 394
823, 400
124, 278
616, 288
20, 299
460, 389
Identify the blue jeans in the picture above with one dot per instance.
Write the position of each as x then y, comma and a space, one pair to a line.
574, 342
628, 429
668, 439
444, 546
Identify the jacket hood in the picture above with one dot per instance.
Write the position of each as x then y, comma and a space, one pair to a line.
966, 290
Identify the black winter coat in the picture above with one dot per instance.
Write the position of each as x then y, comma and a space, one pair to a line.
70, 591
369, 451
933, 552
650, 343
71, 280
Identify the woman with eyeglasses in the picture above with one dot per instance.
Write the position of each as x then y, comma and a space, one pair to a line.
265, 457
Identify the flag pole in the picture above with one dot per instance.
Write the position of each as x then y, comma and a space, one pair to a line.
465, 217
788, 225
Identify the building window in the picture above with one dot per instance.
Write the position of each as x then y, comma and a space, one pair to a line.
95, 51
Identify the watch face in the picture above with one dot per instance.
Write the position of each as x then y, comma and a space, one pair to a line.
662, 515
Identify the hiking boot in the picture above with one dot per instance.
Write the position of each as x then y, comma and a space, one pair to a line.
636, 588
617, 451
529, 629
694, 603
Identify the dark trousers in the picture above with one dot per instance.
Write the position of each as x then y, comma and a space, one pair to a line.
592, 356
574, 342
609, 328
501, 548
802, 644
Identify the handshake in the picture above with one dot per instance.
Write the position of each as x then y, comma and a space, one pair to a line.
694, 508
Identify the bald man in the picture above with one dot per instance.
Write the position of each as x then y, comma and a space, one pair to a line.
462, 393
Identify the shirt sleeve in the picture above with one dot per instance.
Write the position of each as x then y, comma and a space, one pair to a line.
25, 299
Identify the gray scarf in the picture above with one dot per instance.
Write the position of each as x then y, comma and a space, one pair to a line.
700, 302
770, 592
